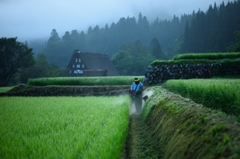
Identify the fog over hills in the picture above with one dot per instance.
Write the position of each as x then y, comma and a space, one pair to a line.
28, 19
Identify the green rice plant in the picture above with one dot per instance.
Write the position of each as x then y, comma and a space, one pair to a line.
84, 81
219, 94
63, 127
208, 56
5, 89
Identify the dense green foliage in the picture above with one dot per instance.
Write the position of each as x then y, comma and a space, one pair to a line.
236, 47
214, 30
84, 81
14, 56
66, 127
132, 59
220, 94
42, 68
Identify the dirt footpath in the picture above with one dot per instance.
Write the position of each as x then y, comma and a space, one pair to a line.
139, 141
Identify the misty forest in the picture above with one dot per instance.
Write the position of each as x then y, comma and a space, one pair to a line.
136, 40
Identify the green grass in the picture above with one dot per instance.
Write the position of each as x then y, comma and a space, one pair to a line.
202, 58
184, 129
219, 94
63, 127
197, 61
208, 56
5, 89
84, 81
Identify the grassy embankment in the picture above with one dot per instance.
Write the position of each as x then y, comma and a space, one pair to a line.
184, 129
209, 56
66, 127
225, 59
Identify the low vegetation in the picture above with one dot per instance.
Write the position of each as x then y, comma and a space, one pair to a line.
183, 129
5, 89
84, 81
202, 58
219, 94
66, 127
208, 56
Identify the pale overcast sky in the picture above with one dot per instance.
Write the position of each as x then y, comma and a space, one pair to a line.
27, 19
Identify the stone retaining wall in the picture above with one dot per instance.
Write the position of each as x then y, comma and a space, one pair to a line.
163, 72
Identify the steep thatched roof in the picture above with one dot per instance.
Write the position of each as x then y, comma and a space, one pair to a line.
93, 61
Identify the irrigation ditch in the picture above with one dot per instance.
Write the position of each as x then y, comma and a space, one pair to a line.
168, 127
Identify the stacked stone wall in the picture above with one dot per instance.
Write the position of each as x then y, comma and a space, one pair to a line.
162, 72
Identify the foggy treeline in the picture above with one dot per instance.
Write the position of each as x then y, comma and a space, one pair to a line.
110, 38
210, 31
213, 31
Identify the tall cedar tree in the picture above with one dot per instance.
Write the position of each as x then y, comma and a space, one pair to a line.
155, 48
236, 47
212, 31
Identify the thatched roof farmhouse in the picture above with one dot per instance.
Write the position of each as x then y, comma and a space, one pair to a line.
91, 64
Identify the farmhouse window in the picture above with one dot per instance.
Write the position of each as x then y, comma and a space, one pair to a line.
78, 71
70, 71
79, 60
73, 66
76, 59
82, 65
78, 66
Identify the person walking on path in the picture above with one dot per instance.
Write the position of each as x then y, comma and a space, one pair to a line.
136, 90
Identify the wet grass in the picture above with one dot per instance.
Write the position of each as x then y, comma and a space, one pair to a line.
184, 129
219, 94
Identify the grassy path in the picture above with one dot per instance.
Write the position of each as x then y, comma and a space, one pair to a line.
139, 141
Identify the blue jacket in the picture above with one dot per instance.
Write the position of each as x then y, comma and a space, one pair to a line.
136, 87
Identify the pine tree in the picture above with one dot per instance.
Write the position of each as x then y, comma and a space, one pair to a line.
156, 48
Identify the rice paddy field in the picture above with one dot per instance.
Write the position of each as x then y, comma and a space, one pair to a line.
219, 94
84, 81
5, 89
63, 127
